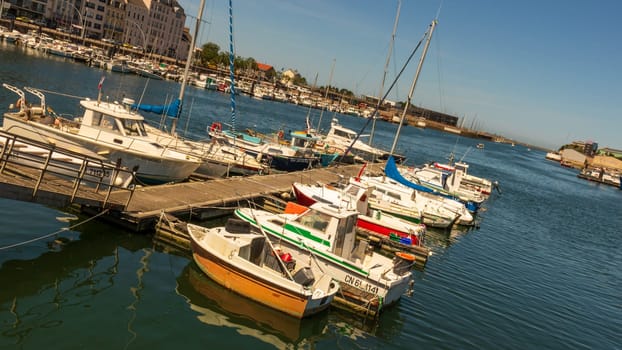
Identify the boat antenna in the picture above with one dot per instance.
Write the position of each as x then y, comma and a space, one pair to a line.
184, 81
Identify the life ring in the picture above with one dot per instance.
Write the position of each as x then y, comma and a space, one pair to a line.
216, 126
281, 134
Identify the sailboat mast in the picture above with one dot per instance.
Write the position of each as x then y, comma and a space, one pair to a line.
184, 81
231, 66
414, 83
384, 75
330, 79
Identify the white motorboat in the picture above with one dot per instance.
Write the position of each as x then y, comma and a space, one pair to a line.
341, 138
106, 128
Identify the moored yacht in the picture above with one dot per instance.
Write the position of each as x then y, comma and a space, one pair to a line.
106, 128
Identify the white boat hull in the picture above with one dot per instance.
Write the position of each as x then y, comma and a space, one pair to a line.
151, 170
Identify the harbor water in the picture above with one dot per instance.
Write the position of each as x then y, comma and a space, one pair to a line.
542, 271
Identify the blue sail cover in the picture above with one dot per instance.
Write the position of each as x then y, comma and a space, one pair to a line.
390, 170
170, 110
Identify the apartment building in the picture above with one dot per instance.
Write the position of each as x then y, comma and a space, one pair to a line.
155, 25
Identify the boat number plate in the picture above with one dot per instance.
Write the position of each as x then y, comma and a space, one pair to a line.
358, 283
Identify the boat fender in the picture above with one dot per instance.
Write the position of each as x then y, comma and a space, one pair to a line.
216, 126
285, 257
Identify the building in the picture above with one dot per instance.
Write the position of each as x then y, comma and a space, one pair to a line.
114, 21
157, 26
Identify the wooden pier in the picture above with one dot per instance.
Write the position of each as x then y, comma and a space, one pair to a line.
138, 208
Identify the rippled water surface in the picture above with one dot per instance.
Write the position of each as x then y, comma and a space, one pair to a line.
543, 271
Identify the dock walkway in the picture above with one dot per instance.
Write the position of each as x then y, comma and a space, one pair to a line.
140, 208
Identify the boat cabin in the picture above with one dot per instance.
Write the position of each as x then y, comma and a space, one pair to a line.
329, 226
112, 118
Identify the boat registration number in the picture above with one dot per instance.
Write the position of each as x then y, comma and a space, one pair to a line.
97, 172
360, 284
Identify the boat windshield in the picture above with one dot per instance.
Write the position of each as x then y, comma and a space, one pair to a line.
345, 134
314, 219
134, 127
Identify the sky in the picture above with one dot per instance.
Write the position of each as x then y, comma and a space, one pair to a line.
544, 72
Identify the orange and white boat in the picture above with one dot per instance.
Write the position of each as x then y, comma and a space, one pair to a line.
241, 258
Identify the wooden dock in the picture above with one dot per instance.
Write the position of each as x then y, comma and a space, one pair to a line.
210, 198
139, 208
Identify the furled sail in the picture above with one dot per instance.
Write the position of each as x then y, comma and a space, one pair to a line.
391, 171
170, 109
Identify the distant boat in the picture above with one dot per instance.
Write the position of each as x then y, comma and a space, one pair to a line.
480, 146
240, 258
554, 156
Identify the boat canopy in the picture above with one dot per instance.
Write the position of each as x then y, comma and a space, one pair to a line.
170, 109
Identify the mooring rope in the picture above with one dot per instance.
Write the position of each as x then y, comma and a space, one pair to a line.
54, 233
61, 94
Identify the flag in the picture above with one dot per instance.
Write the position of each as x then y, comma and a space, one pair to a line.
101, 82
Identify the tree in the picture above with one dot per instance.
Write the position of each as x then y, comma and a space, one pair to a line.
209, 53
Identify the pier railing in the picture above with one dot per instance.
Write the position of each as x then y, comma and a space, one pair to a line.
46, 162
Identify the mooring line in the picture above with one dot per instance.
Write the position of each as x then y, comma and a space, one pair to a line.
53, 233
61, 94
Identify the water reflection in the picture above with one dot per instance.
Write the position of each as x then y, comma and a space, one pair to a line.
218, 306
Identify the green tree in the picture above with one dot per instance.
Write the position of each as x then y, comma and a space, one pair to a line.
209, 52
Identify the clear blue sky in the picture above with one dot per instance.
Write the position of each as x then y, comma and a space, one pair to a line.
544, 72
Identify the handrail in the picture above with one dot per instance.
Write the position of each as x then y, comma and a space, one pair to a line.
49, 160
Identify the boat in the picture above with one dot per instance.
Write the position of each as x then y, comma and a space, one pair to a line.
480, 146
395, 199
91, 169
218, 158
554, 156
355, 196
343, 138
106, 128
326, 235
240, 258
275, 154
600, 175
467, 181
446, 182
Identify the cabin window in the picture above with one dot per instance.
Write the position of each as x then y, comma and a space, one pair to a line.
394, 195
108, 122
133, 127
315, 220
343, 134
